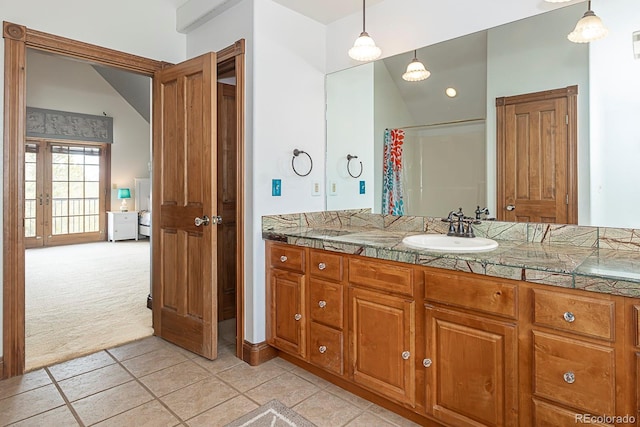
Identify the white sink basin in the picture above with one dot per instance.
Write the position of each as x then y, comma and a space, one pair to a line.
444, 243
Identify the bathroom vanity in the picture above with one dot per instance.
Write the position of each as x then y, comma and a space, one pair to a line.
539, 331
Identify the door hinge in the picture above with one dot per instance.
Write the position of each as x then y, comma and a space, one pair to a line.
567, 199
566, 119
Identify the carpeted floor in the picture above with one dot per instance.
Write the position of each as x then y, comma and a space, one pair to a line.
84, 298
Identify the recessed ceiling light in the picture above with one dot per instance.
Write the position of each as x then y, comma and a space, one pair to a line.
451, 92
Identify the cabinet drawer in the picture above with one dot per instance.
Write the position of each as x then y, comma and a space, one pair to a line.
125, 219
326, 303
486, 295
586, 316
381, 275
574, 373
325, 265
546, 415
326, 348
287, 257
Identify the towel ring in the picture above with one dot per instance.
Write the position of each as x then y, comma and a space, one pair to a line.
296, 153
349, 158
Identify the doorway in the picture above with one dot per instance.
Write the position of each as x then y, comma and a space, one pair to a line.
17, 39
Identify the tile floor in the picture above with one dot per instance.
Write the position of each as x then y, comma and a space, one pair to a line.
154, 383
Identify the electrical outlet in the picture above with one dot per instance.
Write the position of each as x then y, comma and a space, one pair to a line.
333, 188
362, 187
315, 189
276, 187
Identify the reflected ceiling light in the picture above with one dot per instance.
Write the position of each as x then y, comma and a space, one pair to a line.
588, 29
364, 49
416, 70
451, 92
636, 44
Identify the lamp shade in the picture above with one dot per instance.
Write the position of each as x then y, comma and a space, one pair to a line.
588, 29
124, 193
416, 71
364, 48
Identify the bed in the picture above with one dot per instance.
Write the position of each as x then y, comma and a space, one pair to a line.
143, 205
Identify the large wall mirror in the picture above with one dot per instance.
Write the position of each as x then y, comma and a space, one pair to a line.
449, 150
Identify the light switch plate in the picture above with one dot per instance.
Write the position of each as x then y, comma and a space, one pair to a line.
362, 187
315, 189
276, 187
333, 188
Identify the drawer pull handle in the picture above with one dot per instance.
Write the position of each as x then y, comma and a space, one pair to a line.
569, 377
298, 316
322, 349
322, 266
322, 304
569, 317
426, 363
406, 355
283, 258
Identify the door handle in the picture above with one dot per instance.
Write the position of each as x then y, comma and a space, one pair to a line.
201, 221
217, 219
510, 207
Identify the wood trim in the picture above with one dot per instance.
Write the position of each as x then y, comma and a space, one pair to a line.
231, 52
80, 50
1, 369
255, 354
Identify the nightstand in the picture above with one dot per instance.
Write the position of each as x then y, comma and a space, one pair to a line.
122, 225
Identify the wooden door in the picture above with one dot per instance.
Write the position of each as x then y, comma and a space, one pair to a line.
471, 369
227, 205
537, 157
184, 183
382, 344
287, 327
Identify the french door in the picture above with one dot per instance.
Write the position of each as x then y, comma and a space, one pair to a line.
65, 188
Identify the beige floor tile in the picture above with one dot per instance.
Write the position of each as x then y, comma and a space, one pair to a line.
29, 403
224, 361
58, 417
288, 388
313, 379
175, 377
223, 413
199, 397
108, 403
151, 414
245, 377
80, 365
327, 410
26, 382
153, 361
287, 366
93, 382
392, 417
369, 420
349, 397
137, 348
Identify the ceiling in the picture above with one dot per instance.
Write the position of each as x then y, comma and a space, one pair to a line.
326, 11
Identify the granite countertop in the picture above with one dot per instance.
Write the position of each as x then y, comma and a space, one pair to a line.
570, 265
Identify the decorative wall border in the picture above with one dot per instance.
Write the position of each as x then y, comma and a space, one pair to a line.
44, 123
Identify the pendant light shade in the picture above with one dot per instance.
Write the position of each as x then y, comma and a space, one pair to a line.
588, 29
416, 70
364, 49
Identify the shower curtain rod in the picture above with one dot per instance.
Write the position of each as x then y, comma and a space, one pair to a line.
455, 122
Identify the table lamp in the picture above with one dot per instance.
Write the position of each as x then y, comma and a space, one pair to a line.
124, 194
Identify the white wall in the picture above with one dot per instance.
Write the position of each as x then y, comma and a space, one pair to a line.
517, 55
141, 27
56, 83
350, 107
285, 106
615, 142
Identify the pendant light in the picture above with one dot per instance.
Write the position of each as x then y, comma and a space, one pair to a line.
416, 70
364, 49
588, 29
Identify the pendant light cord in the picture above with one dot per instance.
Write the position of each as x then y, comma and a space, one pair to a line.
363, 14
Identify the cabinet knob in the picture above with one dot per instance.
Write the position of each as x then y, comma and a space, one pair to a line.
322, 266
569, 377
406, 355
426, 363
322, 304
322, 349
569, 317
298, 316
283, 258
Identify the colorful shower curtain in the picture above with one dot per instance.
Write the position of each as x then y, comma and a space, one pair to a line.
392, 200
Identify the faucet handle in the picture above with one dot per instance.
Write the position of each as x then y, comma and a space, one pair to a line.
470, 232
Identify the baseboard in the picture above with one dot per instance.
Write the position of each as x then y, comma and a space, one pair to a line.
1, 368
255, 354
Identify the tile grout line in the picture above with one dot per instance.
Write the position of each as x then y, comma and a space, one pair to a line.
64, 397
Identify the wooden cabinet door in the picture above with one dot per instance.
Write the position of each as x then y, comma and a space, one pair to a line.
382, 344
286, 328
470, 369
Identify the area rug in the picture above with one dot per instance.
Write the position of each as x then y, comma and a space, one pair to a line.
80, 299
272, 414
